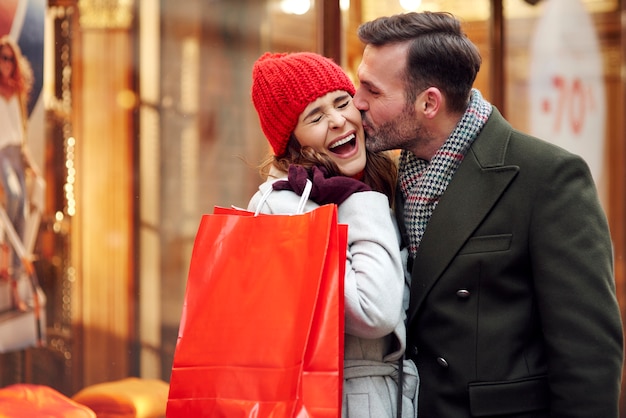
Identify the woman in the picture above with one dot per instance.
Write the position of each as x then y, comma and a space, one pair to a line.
304, 104
15, 85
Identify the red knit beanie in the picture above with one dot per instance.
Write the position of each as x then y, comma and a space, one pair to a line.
283, 85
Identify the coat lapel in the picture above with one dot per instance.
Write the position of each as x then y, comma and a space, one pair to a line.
477, 185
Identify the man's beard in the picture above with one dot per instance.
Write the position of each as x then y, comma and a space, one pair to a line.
403, 132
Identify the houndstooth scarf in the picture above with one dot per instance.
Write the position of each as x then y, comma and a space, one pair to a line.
422, 183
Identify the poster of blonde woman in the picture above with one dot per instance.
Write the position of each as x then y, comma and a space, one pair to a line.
22, 313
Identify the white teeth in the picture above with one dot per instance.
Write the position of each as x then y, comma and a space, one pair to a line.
343, 141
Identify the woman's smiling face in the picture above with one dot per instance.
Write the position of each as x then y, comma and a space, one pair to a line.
332, 125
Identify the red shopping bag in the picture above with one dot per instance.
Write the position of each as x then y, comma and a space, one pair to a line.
261, 333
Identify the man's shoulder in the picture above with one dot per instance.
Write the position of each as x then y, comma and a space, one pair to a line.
499, 133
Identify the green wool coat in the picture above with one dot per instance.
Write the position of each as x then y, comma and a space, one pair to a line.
513, 309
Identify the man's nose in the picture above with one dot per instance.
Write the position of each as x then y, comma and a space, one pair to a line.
358, 100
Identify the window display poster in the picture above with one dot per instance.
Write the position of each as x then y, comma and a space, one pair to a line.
22, 312
566, 87
23, 21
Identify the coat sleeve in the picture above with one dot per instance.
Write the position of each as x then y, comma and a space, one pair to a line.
572, 264
374, 275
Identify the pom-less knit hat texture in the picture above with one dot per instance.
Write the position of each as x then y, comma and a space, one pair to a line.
283, 85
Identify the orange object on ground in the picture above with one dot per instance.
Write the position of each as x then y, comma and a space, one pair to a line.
126, 398
27, 401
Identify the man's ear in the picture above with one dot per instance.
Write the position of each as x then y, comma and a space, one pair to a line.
429, 102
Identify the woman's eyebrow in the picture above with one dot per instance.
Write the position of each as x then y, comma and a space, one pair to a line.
318, 109
312, 112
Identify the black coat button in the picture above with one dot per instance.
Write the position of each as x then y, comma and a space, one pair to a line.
442, 362
463, 293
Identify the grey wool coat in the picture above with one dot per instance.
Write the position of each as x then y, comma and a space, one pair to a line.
513, 309
374, 289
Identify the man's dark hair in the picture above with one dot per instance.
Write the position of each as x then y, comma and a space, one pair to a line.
440, 54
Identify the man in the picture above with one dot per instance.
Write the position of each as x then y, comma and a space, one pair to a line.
513, 309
